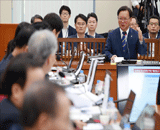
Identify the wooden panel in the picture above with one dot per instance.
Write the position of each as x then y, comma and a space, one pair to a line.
150, 48
84, 44
7, 32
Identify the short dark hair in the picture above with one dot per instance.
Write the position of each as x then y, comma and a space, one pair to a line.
82, 16
92, 15
64, 7
54, 21
40, 97
154, 17
20, 26
135, 19
41, 26
37, 16
16, 72
125, 8
23, 36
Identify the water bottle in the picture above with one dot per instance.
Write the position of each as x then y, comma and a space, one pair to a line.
97, 85
111, 104
112, 111
63, 49
81, 77
124, 120
127, 126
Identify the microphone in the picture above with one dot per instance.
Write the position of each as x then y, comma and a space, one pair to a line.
59, 59
61, 74
127, 45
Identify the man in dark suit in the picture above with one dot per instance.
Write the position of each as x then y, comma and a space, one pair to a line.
153, 28
65, 14
20, 73
124, 41
81, 25
92, 22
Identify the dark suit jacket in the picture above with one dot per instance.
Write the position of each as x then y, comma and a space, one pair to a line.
9, 114
114, 45
75, 36
71, 31
4, 63
146, 35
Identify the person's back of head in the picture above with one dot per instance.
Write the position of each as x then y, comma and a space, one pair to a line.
41, 26
45, 106
43, 45
21, 26
55, 22
21, 40
17, 76
36, 18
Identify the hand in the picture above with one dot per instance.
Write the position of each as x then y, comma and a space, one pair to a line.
139, 34
112, 58
80, 124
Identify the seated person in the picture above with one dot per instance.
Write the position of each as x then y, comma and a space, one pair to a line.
65, 14
92, 22
11, 44
124, 41
153, 28
41, 114
21, 45
80, 24
20, 73
153, 32
43, 46
134, 25
36, 18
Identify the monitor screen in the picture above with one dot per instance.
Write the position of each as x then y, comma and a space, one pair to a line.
143, 81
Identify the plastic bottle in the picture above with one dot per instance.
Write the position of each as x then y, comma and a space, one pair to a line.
99, 87
81, 77
111, 110
111, 104
127, 126
124, 120
63, 48
96, 88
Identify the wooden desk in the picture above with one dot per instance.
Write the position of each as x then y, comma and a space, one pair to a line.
100, 74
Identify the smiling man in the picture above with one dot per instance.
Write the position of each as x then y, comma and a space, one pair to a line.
124, 41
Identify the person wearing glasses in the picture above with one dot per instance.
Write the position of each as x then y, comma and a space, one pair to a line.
124, 41
153, 28
65, 14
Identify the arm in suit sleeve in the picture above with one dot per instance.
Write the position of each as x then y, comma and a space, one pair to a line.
142, 47
108, 47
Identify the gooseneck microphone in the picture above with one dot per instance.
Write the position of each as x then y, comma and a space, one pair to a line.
59, 58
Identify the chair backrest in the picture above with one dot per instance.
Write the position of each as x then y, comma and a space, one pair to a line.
94, 46
152, 50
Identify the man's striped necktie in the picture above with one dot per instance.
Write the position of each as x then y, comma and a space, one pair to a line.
124, 41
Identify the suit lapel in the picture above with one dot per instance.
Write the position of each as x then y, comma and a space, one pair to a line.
129, 40
119, 41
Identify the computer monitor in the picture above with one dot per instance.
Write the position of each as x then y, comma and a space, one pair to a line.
143, 80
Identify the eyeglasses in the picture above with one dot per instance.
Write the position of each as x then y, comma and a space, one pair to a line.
65, 14
155, 24
123, 19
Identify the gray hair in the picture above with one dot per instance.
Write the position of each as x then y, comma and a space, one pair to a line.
42, 44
